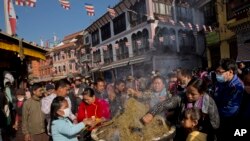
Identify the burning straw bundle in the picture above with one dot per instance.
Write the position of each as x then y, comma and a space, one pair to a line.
127, 126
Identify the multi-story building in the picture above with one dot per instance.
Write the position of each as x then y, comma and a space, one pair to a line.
212, 40
33, 69
46, 68
224, 17
65, 61
146, 35
84, 55
238, 20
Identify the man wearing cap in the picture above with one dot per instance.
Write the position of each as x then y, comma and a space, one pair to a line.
78, 88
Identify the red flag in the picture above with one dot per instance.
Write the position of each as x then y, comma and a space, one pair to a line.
112, 12
90, 9
30, 3
65, 4
20, 2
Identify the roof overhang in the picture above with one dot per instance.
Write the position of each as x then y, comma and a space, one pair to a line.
18, 45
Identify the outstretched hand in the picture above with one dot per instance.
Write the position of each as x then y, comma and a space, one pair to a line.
89, 121
134, 92
147, 118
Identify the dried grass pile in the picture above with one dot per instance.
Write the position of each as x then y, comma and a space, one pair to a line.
127, 126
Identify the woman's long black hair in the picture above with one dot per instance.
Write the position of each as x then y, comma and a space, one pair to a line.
199, 84
55, 106
88, 91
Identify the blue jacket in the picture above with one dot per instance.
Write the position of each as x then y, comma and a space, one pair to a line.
64, 130
228, 97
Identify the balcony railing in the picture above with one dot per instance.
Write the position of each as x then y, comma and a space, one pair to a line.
108, 60
86, 58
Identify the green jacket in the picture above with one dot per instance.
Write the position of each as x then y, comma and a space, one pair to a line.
33, 119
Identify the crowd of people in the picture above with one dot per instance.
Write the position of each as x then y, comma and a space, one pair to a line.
203, 105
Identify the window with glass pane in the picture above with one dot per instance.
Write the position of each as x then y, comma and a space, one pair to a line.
119, 24
105, 32
95, 38
87, 40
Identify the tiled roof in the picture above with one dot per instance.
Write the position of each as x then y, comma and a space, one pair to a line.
64, 46
73, 35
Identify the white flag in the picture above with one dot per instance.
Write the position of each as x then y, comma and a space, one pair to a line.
41, 43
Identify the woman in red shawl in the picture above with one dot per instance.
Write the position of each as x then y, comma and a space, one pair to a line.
93, 107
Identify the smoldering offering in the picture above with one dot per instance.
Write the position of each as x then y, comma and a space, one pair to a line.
128, 127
